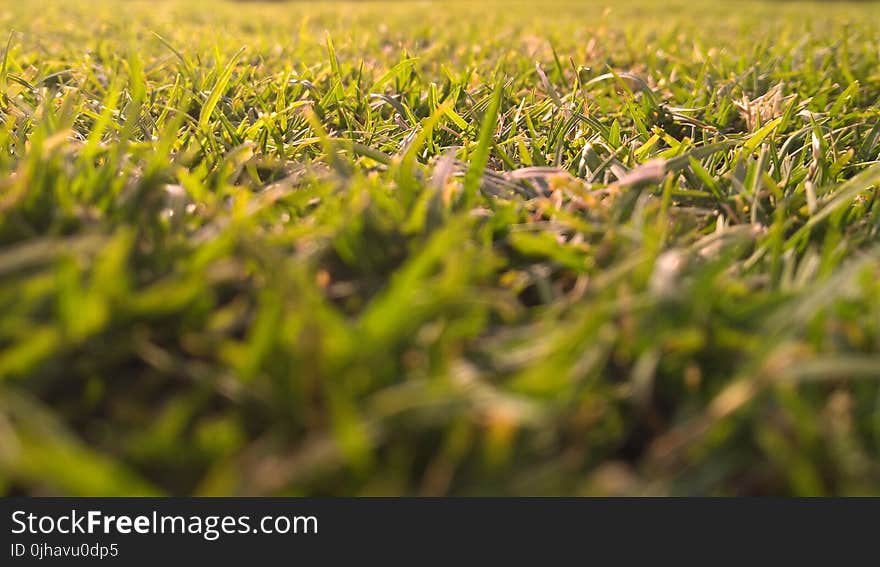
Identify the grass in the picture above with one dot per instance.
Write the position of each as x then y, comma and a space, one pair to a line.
439, 248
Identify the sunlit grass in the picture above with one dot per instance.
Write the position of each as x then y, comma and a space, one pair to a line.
439, 248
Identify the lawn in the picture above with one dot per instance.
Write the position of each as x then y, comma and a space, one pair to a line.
476, 248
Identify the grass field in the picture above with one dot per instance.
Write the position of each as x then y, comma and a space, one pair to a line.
439, 248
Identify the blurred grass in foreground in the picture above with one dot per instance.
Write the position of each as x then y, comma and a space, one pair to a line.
240, 255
